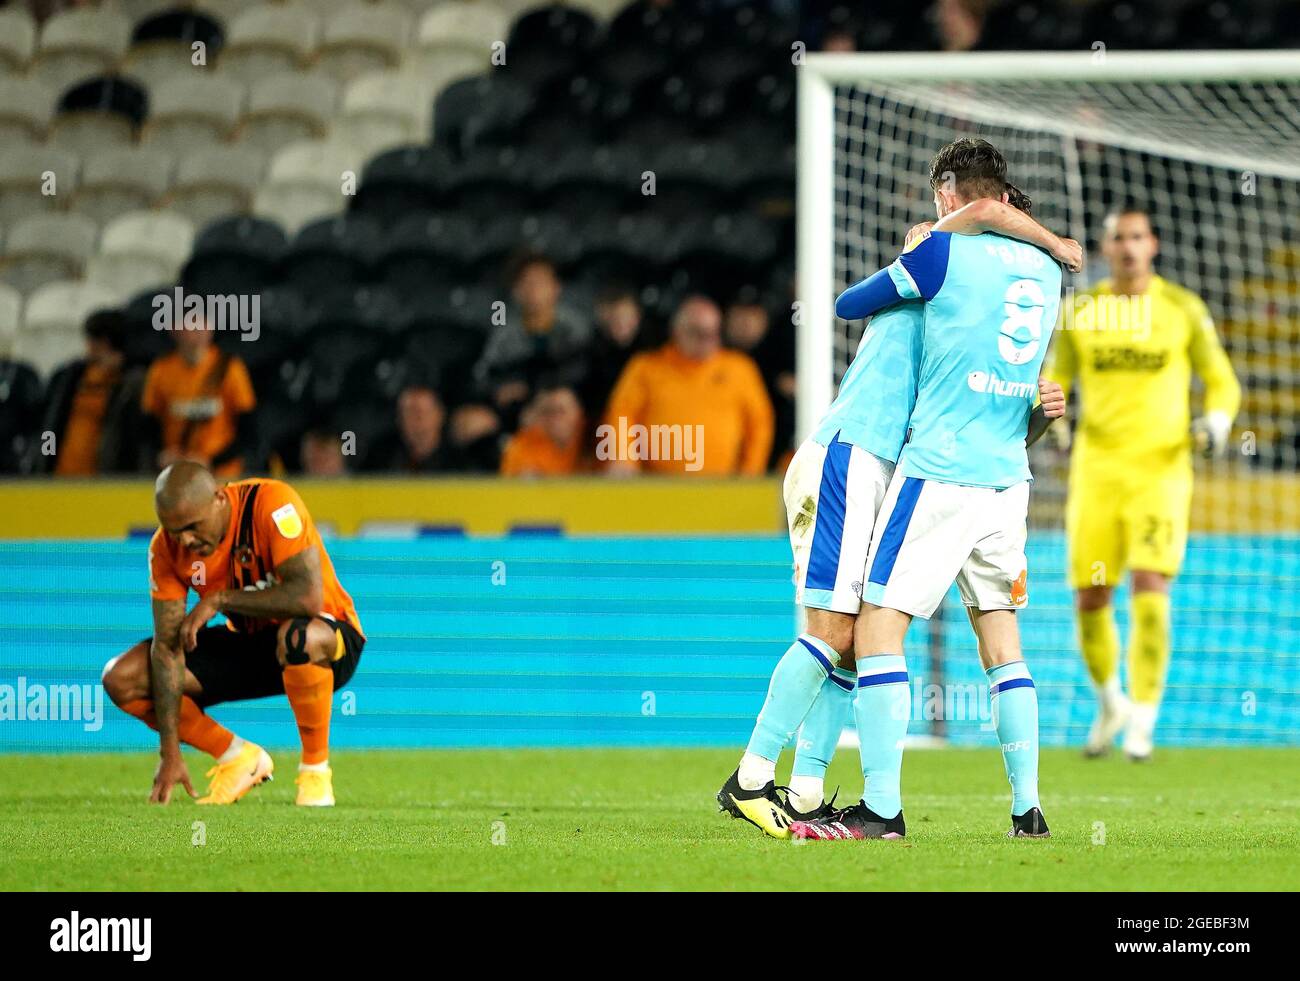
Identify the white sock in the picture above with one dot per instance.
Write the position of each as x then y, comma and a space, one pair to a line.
1143, 718
807, 793
1111, 694
318, 767
235, 748
756, 772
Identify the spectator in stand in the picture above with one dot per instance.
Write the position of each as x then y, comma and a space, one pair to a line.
321, 453
749, 328
200, 402
419, 445
93, 407
539, 336
619, 335
960, 23
552, 439
690, 382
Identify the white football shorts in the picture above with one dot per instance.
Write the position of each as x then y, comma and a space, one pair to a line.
832, 494
929, 533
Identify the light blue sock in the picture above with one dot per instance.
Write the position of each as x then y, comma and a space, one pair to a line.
882, 706
1015, 719
824, 723
795, 683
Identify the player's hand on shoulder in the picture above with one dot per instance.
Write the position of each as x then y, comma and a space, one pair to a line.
1052, 396
1069, 252
917, 230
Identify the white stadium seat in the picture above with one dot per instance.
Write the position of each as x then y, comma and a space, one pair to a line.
192, 110
116, 180
269, 40
17, 39
26, 106
362, 38
28, 171
217, 181
53, 319
286, 108
80, 43
45, 248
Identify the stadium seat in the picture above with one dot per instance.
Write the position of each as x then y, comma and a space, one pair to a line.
693, 177
193, 109
548, 42
331, 253
234, 255
143, 341
11, 310
25, 188
17, 40
79, 43
26, 107
461, 27
582, 180
216, 182
52, 322
46, 248
362, 38
98, 113
305, 181
173, 42
269, 40
116, 180
402, 181
570, 110
485, 110
491, 181
386, 109
426, 249
286, 108
140, 249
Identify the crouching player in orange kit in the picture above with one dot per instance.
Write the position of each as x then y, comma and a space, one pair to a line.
251, 552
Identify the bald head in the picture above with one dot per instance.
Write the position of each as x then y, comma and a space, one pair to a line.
190, 506
183, 481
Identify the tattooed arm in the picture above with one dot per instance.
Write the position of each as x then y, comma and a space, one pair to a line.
167, 684
297, 593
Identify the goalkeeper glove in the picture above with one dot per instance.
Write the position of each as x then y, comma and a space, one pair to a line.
1210, 433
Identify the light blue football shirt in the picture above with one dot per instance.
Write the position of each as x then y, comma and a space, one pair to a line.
879, 389
991, 304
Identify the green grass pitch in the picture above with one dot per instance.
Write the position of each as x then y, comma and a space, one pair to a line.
645, 819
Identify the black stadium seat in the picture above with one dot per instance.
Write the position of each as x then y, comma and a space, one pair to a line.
110, 95
185, 26
235, 255
485, 110
1036, 25
490, 181
331, 252
401, 181
426, 248
548, 42
20, 413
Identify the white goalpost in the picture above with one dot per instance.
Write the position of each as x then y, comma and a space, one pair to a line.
1209, 144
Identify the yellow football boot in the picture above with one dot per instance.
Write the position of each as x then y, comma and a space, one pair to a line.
231, 781
315, 788
763, 808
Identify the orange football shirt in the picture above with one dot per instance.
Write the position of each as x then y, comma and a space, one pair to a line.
269, 524
196, 410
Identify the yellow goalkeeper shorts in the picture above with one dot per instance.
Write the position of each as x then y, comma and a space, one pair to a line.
1134, 519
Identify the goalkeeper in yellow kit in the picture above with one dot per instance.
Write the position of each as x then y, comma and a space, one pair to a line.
1133, 341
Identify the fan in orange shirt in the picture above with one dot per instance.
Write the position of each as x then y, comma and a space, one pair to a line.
550, 444
202, 399
689, 386
251, 552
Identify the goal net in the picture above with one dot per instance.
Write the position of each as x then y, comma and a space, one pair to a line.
1209, 144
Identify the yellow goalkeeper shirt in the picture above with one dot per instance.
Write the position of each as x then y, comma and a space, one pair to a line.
1134, 356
